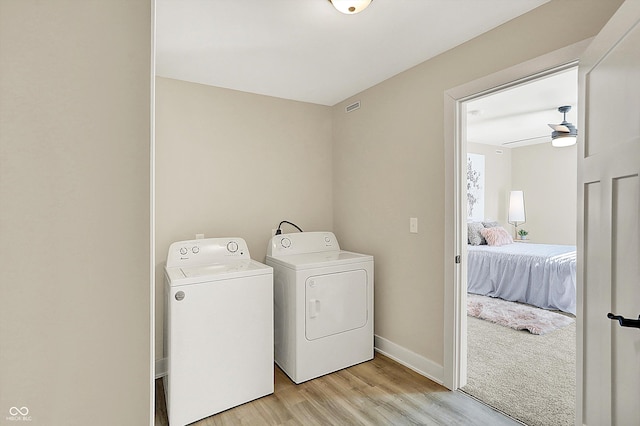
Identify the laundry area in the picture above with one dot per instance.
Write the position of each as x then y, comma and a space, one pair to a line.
367, 167
226, 315
225, 170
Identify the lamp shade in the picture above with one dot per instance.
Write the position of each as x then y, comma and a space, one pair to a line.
350, 7
517, 214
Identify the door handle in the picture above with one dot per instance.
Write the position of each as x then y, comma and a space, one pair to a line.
314, 308
625, 322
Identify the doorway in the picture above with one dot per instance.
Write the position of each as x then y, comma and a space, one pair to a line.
527, 373
456, 100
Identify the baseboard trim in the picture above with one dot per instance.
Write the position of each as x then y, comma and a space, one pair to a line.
410, 359
404, 356
161, 367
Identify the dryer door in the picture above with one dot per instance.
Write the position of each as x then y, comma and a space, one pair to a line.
335, 303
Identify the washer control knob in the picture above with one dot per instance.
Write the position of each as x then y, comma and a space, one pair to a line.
183, 250
179, 296
327, 239
285, 242
232, 246
195, 249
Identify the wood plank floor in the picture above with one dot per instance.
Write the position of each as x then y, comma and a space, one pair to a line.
378, 392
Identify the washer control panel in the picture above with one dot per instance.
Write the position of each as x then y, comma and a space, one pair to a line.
302, 242
207, 251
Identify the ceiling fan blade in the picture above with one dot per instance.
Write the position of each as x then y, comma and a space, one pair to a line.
559, 128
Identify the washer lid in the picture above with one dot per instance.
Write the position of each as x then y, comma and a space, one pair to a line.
221, 271
319, 260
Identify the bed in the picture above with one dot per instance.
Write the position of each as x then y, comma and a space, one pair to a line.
542, 275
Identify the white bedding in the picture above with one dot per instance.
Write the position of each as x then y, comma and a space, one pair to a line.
542, 275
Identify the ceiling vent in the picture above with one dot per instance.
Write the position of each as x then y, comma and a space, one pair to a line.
354, 106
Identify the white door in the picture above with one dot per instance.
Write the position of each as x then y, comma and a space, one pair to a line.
608, 387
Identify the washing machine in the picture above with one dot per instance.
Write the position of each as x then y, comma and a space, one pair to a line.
323, 304
218, 337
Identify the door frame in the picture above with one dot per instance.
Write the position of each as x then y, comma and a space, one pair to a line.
455, 148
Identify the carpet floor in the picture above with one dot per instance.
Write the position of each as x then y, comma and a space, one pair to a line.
529, 377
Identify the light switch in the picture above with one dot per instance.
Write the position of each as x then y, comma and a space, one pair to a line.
413, 225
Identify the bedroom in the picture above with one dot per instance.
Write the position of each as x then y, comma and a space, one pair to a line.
509, 149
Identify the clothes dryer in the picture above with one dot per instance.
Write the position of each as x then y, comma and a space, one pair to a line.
323, 304
218, 336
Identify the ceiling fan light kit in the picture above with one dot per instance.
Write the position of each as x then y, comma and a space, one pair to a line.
562, 141
350, 7
565, 133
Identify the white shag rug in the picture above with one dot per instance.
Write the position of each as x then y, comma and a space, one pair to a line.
515, 315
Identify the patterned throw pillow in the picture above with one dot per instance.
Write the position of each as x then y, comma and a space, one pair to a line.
473, 233
497, 236
490, 224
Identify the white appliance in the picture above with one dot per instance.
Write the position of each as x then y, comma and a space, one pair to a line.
323, 304
218, 336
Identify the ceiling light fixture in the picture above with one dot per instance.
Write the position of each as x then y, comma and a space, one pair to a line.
350, 7
565, 133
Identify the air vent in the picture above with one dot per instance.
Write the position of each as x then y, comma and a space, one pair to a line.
354, 106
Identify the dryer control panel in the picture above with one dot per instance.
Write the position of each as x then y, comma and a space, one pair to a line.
207, 251
302, 242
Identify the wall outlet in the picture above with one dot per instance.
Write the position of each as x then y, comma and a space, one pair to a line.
199, 236
413, 225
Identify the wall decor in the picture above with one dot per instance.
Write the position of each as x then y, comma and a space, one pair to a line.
475, 187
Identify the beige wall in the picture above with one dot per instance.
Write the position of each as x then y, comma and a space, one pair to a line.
75, 81
388, 164
548, 177
230, 163
497, 182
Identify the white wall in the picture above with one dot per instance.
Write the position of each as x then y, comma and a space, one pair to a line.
230, 163
389, 165
75, 341
548, 177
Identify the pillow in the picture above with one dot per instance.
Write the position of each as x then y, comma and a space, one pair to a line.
490, 224
497, 236
473, 233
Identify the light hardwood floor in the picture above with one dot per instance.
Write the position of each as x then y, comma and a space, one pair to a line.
378, 392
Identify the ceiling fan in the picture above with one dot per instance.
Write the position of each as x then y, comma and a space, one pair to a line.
565, 133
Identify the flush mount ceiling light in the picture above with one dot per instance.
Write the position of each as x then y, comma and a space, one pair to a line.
565, 133
350, 7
